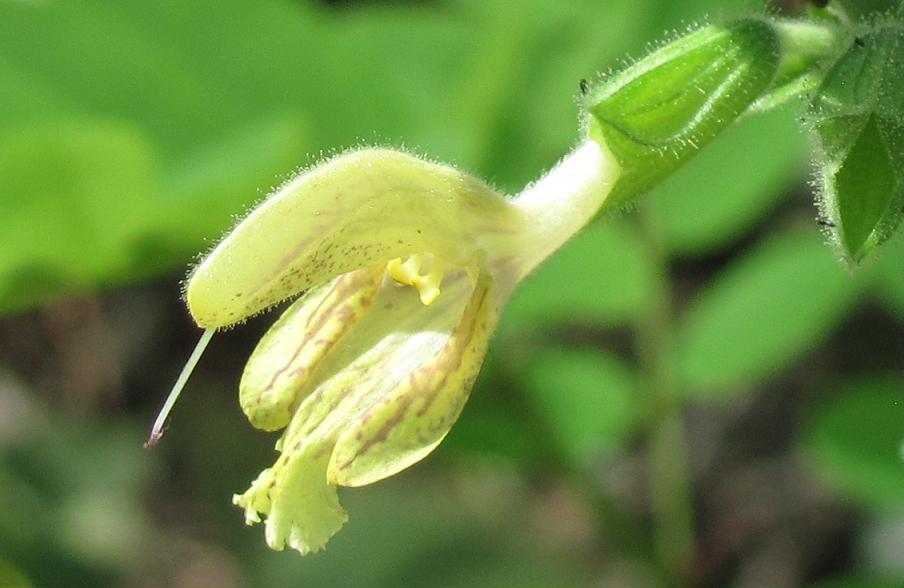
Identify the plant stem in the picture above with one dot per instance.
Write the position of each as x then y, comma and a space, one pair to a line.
668, 468
806, 47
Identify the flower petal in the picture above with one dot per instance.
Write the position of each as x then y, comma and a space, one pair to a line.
294, 495
278, 374
408, 422
302, 510
354, 210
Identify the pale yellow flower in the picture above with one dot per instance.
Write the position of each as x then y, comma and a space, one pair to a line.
405, 266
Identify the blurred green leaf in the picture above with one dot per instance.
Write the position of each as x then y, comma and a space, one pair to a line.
459, 547
772, 305
204, 192
11, 577
855, 440
91, 191
588, 398
860, 582
559, 44
508, 570
891, 276
600, 277
169, 69
73, 193
489, 427
731, 184
78, 506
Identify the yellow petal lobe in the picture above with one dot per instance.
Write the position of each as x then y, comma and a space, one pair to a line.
279, 372
407, 423
302, 510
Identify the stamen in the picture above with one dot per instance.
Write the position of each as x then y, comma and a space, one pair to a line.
157, 429
409, 274
404, 272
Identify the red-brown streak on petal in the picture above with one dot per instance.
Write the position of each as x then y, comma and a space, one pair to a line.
287, 260
349, 297
450, 362
447, 361
328, 401
339, 303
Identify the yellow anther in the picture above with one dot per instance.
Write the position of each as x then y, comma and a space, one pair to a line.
409, 273
404, 272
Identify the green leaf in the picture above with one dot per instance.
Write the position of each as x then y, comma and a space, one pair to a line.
890, 272
852, 85
864, 190
660, 111
723, 191
470, 514
855, 440
85, 188
864, 8
12, 577
861, 582
859, 123
588, 398
91, 189
600, 277
542, 77
77, 486
774, 304
381, 74
204, 191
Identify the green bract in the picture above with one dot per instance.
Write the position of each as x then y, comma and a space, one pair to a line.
657, 113
365, 374
858, 115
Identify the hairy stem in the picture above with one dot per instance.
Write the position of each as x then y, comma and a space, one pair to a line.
807, 47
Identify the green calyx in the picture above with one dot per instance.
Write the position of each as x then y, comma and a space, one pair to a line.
858, 118
657, 113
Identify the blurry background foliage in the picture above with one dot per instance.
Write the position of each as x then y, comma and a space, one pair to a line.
133, 133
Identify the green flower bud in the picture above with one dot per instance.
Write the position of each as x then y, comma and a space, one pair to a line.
858, 118
656, 114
